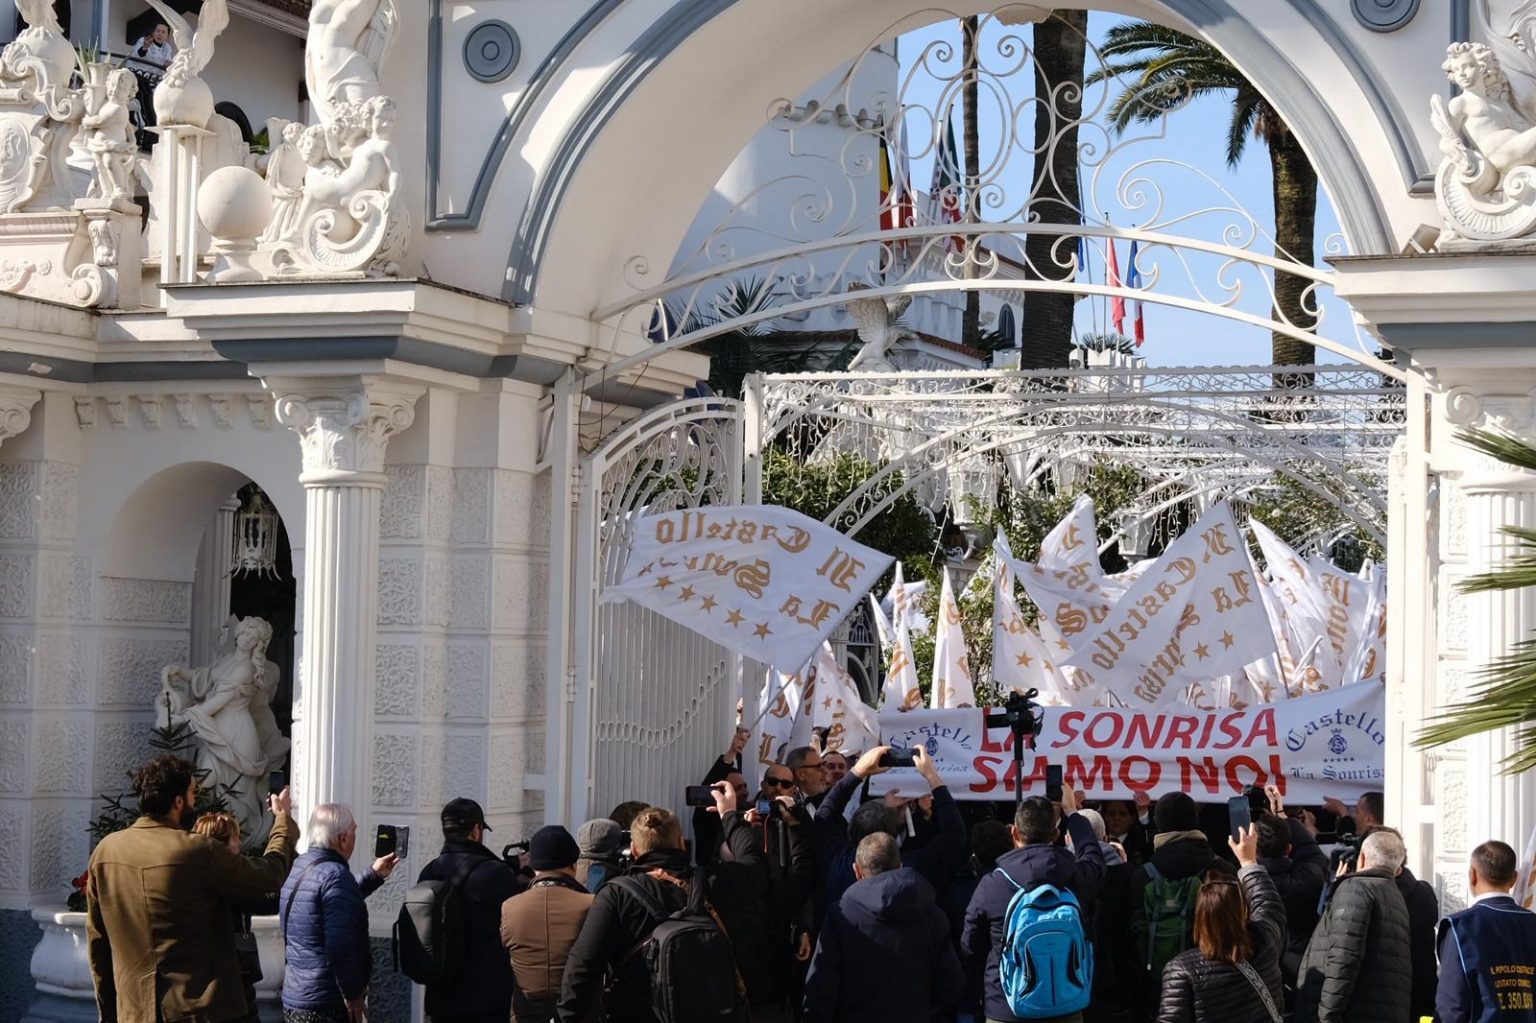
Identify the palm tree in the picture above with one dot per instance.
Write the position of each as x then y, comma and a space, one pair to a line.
1167, 68
1061, 43
1507, 697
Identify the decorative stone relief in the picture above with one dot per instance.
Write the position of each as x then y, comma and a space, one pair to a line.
16, 408
121, 746
394, 769
13, 756
434, 679
15, 669
436, 575
85, 413
186, 410
517, 681
467, 681
520, 595
63, 677
469, 593
345, 434
19, 500
218, 404
60, 498
401, 510
129, 673
55, 571
1451, 834
439, 504
117, 411
464, 772
506, 775
13, 850
146, 600
182, 97
17, 587
398, 691
491, 51
351, 217
399, 591
1453, 620
61, 760
1384, 15
472, 506
60, 845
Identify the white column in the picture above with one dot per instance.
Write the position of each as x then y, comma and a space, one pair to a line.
1498, 496
344, 426
210, 587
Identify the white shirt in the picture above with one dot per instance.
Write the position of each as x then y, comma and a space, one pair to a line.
154, 53
1490, 895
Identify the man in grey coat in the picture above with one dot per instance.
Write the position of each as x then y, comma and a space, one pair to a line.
1357, 967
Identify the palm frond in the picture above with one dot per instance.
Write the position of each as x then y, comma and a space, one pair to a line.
1507, 449
1518, 570
1245, 115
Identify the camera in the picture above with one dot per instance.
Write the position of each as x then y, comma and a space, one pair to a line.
509, 855
1020, 715
765, 807
898, 758
1346, 849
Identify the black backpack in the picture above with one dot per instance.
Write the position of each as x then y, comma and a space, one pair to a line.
429, 933
688, 957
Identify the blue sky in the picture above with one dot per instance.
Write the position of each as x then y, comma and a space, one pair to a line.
1188, 165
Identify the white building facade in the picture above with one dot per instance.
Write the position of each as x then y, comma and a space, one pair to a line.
417, 402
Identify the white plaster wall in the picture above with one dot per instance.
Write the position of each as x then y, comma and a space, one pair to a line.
259, 68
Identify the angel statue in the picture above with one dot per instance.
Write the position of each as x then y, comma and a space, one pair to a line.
228, 708
40, 49
182, 97
876, 320
1484, 185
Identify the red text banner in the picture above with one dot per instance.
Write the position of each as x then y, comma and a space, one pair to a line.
1329, 744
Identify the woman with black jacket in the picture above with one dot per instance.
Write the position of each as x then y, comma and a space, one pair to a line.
1232, 975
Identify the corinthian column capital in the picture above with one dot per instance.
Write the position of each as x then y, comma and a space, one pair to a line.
344, 424
16, 410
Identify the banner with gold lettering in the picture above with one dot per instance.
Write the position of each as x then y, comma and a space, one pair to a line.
1074, 544
764, 581
1019, 659
1195, 616
951, 661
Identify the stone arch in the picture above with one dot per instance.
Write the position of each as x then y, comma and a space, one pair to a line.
637, 132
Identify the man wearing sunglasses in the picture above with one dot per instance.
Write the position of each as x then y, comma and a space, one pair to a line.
810, 776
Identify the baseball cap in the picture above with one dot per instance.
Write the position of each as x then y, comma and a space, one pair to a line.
465, 813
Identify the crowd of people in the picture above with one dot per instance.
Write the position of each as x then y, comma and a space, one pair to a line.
804, 902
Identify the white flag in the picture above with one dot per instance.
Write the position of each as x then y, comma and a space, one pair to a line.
1019, 659
778, 708
839, 708
884, 631
1196, 616
764, 581
951, 666
1073, 546
1347, 605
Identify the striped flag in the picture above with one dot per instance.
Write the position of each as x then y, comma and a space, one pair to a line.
1133, 307
1112, 279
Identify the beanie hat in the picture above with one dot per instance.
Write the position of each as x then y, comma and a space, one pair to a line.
552, 848
1175, 811
598, 839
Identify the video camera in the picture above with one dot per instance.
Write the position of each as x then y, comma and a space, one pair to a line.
510, 855
1020, 715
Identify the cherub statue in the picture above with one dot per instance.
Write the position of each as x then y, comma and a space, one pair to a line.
112, 141
1485, 111
286, 170
364, 194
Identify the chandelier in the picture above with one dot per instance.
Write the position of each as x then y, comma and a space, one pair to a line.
256, 526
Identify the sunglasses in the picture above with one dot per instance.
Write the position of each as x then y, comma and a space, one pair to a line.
782, 783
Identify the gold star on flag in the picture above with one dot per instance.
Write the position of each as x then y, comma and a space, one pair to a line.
734, 617
763, 632
1048, 667
686, 593
1202, 651
663, 582
1227, 641
1024, 660
708, 604
827, 703
646, 570
1064, 644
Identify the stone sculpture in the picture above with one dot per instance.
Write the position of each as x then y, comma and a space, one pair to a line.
1484, 187
111, 139
228, 708
286, 169
182, 97
351, 218
878, 329
40, 52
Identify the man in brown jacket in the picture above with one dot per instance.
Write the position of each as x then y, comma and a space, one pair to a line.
539, 926
158, 931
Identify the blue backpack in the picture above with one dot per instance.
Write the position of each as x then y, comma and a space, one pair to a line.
1046, 962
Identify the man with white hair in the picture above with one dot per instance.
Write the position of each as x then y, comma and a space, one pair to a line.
325, 923
1357, 966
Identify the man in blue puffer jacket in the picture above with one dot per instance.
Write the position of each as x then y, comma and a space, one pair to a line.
325, 923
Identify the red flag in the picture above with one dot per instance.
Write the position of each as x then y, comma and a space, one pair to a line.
1116, 304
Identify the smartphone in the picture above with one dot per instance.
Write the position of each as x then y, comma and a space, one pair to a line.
386, 841
898, 758
276, 782
699, 795
402, 841
765, 807
1239, 814
1053, 781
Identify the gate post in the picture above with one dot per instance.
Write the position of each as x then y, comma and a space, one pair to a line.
563, 458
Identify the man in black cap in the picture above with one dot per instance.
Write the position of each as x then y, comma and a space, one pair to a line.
478, 988
539, 926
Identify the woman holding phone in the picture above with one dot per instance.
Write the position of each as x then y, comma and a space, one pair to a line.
1232, 975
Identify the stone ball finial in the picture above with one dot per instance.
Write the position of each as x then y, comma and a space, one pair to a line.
188, 102
236, 207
